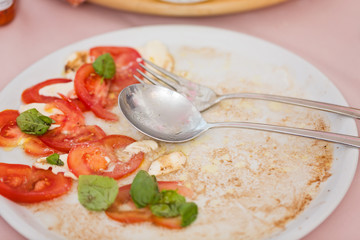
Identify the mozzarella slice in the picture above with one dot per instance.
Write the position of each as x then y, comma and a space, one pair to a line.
42, 108
125, 155
167, 163
74, 62
41, 163
53, 90
156, 52
144, 146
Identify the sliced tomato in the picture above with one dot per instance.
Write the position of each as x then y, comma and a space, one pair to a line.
72, 130
171, 223
175, 185
93, 91
100, 158
35, 147
136, 215
127, 61
63, 141
128, 216
10, 133
25, 184
71, 116
32, 95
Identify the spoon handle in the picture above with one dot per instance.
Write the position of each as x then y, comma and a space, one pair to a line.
346, 111
327, 136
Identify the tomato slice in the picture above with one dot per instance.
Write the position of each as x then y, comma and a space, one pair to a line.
72, 130
100, 158
175, 185
63, 141
71, 117
127, 61
25, 184
10, 133
128, 216
93, 91
10, 136
135, 215
32, 95
171, 223
35, 147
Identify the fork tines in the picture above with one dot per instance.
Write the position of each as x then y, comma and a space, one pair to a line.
158, 77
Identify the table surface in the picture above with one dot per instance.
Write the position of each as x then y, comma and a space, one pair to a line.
326, 33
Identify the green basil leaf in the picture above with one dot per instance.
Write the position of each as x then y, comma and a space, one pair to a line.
54, 159
144, 189
171, 197
188, 212
104, 65
46, 119
168, 204
165, 210
97, 192
33, 122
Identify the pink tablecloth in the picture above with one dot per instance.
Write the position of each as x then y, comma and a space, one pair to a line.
324, 32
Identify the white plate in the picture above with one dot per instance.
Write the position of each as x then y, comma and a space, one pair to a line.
313, 83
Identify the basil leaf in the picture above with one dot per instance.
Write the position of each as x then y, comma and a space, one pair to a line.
46, 119
104, 65
144, 189
171, 197
168, 204
97, 192
54, 159
33, 122
188, 212
165, 210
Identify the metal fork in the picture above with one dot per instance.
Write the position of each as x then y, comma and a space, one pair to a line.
203, 97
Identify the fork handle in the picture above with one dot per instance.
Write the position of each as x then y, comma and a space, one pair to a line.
347, 111
343, 139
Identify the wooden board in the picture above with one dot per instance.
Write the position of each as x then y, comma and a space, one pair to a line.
208, 8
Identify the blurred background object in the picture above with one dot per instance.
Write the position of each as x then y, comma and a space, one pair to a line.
194, 9
75, 2
183, 1
7, 11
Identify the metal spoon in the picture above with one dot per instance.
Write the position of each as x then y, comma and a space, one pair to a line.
168, 116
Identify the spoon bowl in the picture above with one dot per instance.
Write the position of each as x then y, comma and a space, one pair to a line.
168, 116
161, 113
